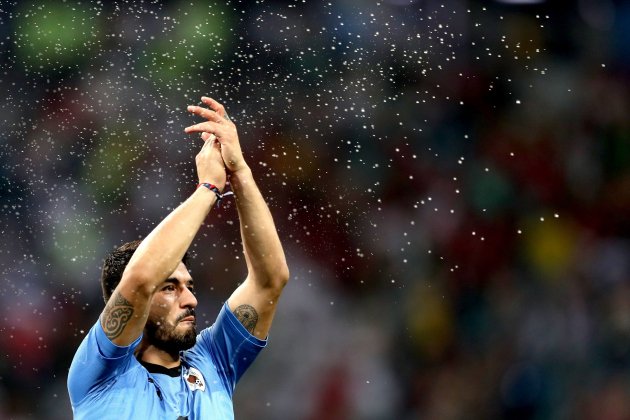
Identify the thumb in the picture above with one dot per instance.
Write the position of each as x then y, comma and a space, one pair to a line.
206, 136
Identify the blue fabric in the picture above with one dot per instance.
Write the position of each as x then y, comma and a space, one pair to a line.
107, 382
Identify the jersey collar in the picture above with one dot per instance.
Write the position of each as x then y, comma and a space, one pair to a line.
153, 368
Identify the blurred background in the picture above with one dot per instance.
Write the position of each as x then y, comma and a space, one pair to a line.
450, 179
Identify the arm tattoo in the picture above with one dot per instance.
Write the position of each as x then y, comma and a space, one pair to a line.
116, 316
248, 316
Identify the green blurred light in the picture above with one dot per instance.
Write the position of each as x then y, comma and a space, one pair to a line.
200, 34
75, 239
109, 168
55, 35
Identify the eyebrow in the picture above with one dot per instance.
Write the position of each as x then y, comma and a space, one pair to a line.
174, 281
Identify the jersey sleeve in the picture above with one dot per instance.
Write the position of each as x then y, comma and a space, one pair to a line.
96, 362
231, 346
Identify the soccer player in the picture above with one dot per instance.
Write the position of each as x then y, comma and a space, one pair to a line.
143, 358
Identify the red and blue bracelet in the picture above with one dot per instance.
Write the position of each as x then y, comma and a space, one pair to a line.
215, 190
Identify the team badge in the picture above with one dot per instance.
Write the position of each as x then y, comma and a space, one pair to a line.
194, 380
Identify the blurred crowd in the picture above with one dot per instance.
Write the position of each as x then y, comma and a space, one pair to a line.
451, 181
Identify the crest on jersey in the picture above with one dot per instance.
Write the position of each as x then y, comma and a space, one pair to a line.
195, 380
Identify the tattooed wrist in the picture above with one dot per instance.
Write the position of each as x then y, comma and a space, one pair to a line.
247, 315
116, 316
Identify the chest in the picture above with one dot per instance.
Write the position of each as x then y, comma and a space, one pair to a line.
194, 394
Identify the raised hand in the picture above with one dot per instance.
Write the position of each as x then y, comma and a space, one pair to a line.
223, 129
210, 166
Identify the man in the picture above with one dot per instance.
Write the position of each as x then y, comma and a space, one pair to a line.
143, 358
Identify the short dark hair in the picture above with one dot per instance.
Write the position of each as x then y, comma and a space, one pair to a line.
114, 266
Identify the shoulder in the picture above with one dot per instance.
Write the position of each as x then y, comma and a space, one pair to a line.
101, 347
98, 363
100, 382
228, 330
127, 396
226, 345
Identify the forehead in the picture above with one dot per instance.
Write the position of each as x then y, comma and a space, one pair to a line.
181, 273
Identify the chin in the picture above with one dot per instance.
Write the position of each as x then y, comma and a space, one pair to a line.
188, 341
186, 327
173, 339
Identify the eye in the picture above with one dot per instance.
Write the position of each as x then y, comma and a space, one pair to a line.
169, 288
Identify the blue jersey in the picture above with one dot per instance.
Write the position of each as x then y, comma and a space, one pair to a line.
106, 381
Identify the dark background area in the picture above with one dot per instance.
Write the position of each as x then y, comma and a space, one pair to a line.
451, 181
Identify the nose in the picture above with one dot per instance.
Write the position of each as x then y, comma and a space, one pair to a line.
188, 299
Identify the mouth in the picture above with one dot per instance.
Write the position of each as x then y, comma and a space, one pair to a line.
190, 319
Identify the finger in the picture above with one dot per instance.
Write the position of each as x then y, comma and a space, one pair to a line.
205, 113
209, 126
214, 105
216, 146
211, 146
214, 130
208, 143
205, 136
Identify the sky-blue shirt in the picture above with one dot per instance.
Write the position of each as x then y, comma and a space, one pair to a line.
107, 382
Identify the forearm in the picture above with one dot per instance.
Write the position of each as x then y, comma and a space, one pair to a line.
163, 249
263, 251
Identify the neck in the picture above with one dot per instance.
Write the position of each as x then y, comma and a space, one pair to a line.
147, 352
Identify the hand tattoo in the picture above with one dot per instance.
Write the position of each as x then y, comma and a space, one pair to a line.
248, 316
116, 315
